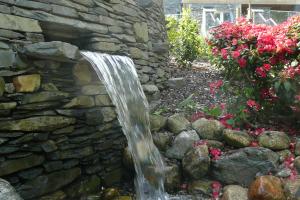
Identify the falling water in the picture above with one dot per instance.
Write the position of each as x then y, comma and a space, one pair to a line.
120, 78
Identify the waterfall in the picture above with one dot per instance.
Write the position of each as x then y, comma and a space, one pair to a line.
120, 78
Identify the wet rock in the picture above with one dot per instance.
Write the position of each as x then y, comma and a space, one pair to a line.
81, 102
27, 83
103, 100
93, 89
59, 195
72, 153
48, 183
292, 188
7, 191
172, 177
202, 187
196, 162
176, 83
266, 188
127, 159
42, 123
53, 166
157, 122
83, 73
15, 165
274, 140
54, 50
246, 162
181, 144
30, 173
110, 194
49, 146
8, 105
44, 96
237, 138
177, 123
235, 192
85, 186
162, 140
209, 129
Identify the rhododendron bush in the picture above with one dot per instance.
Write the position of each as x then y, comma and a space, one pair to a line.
261, 64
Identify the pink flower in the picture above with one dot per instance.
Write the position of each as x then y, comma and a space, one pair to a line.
215, 153
253, 104
254, 144
234, 41
261, 72
224, 54
267, 67
242, 62
215, 85
216, 189
235, 54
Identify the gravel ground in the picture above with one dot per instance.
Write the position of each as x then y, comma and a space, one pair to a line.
197, 81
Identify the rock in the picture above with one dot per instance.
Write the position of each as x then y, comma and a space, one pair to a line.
202, 187
85, 186
283, 154
297, 147
110, 194
12, 22
237, 138
196, 162
214, 144
72, 153
2, 86
127, 159
53, 166
27, 83
103, 100
177, 123
172, 178
162, 140
49, 87
292, 188
44, 96
209, 129
297, 163
93, 90
7, 58
141, 31
41, 123
12, 166
182, 143
8, 105
7, 191
31, 173
59, 195
150, 89
235, 192
157, 122
137, 53
176, 83
266, 188
48, 183
55, 50
83, 73
9, 88
246, 162
81, 102
274, 140
49, 146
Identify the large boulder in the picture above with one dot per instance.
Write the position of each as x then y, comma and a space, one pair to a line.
266, 188
237, 138
172, 177
181, 144
274, 140
209, 129
196, 162
7, 192
162, 140
177, 123
242, 165
54, 50
157, 122
235, 192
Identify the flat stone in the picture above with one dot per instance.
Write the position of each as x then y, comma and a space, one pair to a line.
246, 162
237, 138
274, 140
53, 50
81, 102
39, 105
7, 58
138, 53
53, 166
103, 100
182, 143
74, 153
176, 83
44, 96
41, 123
235, 192
209, 129
105, 46
2, 86
85, 186
48, 183
93, 89
12, 22
64, 11
7, 191
141, 31
27, 83
177, 123
34, 5
10, 34
59, 195
83, 73
49, 146
12, 166
8, 105
30, 173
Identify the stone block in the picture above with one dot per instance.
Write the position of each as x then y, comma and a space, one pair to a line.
83, 73
81, 102
141, 31
27, 83
12, 22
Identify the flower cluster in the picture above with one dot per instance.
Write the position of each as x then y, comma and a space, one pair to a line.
265, 59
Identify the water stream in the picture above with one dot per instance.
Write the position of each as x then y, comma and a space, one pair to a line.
120, 78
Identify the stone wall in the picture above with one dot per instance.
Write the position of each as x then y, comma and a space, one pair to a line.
59, 135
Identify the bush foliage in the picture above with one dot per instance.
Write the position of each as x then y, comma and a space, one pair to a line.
186, 43
261, 64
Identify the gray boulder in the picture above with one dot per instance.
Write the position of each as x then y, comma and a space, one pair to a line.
7, 192
182, 143
209, 129
242, 165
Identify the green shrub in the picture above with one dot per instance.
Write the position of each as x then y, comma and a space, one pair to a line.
186, 44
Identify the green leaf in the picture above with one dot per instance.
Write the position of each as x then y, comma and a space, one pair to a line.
287, 85
230, 121
277, 85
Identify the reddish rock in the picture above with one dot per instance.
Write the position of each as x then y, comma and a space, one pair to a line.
266, 188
